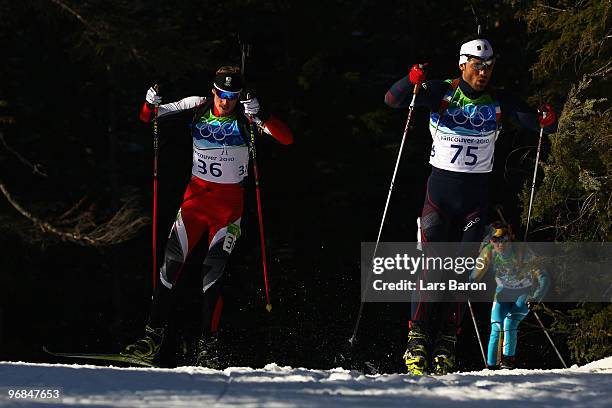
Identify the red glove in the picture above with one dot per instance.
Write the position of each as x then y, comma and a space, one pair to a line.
417, 73
546, 115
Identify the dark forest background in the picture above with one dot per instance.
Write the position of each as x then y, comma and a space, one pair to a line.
76, 166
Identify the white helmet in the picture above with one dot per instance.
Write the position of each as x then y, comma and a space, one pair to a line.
480, 48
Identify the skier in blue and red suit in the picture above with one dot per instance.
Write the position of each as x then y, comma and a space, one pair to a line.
212, 204
465, 121
520, 280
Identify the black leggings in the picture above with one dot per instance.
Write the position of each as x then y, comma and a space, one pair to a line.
455, 210
213, 276
455, 206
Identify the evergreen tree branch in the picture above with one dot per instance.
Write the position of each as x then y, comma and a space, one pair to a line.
101, 34
79, 17
122, 226
36, 168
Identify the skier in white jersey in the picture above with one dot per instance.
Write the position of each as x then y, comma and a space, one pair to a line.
213, 201
465, 121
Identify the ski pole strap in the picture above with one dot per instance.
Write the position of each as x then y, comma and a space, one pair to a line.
155, 132
415, 91
416, 88
252, 137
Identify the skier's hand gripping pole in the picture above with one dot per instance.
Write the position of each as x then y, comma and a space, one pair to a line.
415, 91
546, 117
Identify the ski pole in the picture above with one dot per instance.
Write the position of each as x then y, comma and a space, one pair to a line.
155, 156
549, 338
535, 172
484, 357
260, 216
245, 51
382, 222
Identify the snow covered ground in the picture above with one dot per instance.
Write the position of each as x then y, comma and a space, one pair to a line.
274, 386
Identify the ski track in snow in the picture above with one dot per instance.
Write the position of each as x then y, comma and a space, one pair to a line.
274, 386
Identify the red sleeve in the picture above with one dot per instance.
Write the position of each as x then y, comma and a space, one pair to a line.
279, 130
146, 113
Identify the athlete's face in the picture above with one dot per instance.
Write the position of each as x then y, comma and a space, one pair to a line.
477, 73
224, 106
500, 244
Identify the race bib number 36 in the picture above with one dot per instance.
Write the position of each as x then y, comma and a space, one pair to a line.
226, 166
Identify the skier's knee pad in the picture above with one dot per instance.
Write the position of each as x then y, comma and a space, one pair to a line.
214, 265
169, 271
174, 259
174, 248
431, 222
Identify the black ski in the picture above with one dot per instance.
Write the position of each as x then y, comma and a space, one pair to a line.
109, 357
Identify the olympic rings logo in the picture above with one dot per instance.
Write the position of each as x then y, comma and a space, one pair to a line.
477, 115
216, 129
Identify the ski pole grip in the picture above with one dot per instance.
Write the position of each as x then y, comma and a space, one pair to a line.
250, 94
156, 87
155, 132
422, 67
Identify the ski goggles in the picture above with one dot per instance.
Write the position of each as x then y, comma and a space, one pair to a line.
227, 95
480, 65
503, 238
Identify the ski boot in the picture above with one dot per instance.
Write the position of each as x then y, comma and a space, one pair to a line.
415, 356
508, 362
208, 352
444, 353
147, 348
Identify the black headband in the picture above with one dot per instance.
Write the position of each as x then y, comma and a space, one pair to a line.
230, 82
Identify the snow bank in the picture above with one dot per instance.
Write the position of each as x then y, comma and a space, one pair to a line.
274, 386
